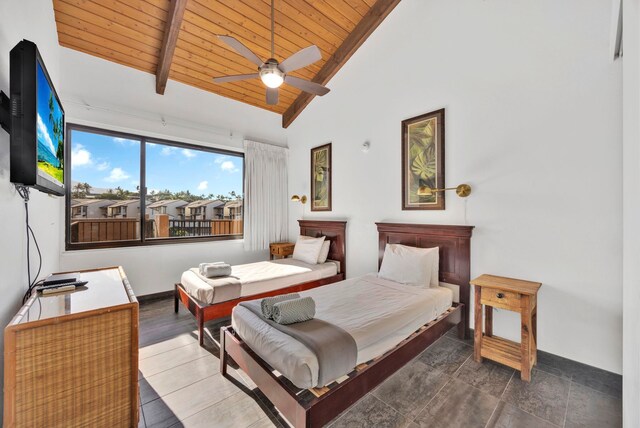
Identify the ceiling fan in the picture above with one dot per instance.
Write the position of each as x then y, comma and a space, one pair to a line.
271, 72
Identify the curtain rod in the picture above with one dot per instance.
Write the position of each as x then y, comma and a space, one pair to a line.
163, 120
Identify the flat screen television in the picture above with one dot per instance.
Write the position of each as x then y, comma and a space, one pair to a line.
36, 123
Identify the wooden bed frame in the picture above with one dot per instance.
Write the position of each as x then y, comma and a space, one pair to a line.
326, 403
335, 231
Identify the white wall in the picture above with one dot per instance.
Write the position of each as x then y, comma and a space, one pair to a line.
120, 99
631, 213
533, 123
24, 20
124, 99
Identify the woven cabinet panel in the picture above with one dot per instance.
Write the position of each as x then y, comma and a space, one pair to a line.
76, 373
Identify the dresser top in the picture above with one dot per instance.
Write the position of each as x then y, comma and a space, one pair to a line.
106, 288
508, 284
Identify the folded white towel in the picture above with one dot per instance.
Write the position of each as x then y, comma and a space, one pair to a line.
202, 266
266, 304
213, 271
293, 311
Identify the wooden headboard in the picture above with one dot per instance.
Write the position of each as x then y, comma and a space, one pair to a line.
454, 243
335, 231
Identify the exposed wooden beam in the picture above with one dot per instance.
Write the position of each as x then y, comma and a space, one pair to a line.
171, 31
354, 40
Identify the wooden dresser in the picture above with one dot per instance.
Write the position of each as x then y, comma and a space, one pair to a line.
71, 359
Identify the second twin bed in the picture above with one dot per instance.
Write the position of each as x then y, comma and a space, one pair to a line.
386, 323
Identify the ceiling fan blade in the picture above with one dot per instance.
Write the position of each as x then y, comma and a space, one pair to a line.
300, 59
225, 79
241, 49
307, 86
272, 96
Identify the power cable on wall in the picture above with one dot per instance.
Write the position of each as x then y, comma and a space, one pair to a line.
23, 191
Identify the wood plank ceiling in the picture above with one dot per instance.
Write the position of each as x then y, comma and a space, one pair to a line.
135, 33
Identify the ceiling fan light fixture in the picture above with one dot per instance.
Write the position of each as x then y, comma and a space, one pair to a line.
270, 74
272, 80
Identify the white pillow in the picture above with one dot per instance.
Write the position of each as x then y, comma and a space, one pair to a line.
435, 271
308, 249
324, 252
408, 265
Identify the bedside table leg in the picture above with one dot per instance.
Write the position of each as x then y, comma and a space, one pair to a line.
488, 321
534, 330
477, 325
526, 336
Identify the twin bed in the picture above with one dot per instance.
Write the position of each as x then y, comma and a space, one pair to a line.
388, 324
210, 299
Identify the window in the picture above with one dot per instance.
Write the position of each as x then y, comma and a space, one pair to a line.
186, 192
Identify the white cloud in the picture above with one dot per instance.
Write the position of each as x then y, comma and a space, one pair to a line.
188, 153
151, 144
220, 159
44, 135
80, 156
102, 166
117, 174
203, 185
228, 166
124, 140
167, 150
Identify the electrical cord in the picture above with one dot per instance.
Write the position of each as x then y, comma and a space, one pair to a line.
23, 191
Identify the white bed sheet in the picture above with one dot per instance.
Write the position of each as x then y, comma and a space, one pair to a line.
378, 313
261, 277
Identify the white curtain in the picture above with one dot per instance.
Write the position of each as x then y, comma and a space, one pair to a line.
266, 195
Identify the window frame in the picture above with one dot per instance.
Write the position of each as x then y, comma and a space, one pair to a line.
142, 241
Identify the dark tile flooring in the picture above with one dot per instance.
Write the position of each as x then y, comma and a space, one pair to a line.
181, 386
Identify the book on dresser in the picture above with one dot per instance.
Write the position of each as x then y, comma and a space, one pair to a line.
71, 359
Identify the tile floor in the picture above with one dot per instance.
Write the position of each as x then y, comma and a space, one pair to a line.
180, 386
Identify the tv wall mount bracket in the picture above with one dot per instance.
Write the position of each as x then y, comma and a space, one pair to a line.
5, 112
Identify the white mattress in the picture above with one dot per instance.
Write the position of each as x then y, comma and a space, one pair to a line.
260, 277
378, 313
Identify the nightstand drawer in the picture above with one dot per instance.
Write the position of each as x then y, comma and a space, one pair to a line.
281, 249
500, 299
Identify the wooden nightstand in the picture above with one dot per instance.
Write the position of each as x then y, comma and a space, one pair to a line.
513, 295
281, 249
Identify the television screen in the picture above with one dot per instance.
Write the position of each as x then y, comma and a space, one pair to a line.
50, 130
36, 123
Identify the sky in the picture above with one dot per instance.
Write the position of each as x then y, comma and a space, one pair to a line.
108, 162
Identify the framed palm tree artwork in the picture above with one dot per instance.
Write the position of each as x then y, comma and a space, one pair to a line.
423, 161
321, 178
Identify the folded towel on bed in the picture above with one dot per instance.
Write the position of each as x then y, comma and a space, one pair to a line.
215, 270
266, 304
335, 349
293, 311
201, 266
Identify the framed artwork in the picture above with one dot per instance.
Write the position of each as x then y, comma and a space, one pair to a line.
423, 161
321, 178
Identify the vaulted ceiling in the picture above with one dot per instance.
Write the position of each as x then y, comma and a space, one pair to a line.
176, 39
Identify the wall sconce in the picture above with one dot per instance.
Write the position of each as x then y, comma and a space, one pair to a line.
302, 199
463, 190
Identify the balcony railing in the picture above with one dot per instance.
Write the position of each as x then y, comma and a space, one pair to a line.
121, 229
104, 229
202, 228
